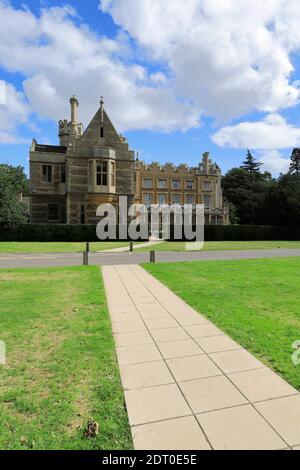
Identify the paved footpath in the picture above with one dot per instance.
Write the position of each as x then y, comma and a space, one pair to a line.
19, 260
187, 385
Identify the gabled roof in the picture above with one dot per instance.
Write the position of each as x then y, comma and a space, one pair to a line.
93, 131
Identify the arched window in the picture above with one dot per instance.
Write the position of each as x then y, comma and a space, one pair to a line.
101, 132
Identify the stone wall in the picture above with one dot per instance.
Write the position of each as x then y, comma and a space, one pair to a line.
80, 196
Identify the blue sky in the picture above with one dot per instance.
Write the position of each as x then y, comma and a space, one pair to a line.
179, 77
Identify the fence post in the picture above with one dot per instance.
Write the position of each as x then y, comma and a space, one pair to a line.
85, 258
131, 247
152, 256
87, 247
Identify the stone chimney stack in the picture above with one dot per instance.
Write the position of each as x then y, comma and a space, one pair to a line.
205, 162
74, 105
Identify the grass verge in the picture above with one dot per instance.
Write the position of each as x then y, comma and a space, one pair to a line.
61, 368
67, 247
219, 246
57, 247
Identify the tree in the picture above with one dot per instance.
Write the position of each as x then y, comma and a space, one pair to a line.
295, 162
13, 182
251, 165
282, 203
246, 192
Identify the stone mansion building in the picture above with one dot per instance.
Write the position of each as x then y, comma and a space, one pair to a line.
92, 167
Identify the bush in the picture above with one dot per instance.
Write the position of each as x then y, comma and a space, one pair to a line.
83, 233
50, 233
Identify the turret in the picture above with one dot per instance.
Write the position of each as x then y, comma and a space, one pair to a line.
68, 130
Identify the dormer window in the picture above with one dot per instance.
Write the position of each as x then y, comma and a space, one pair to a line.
102, 132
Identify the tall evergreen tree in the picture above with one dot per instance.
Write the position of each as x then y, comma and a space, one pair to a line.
13, 182
251, 165
295, 162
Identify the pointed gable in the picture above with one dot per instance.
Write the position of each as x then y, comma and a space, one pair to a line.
101, 131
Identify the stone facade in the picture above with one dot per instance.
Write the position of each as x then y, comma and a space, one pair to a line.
68, 182
170, 184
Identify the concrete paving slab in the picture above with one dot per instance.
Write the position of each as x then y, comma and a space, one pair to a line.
284, 415
181, 348
145, 375
236, 361
211, 394
169, 334
239, 428
219, 343
155, 404
138, 354
261, 384
193, 367
172, 434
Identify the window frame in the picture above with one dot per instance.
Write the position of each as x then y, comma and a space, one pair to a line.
152, 197
159, 180
45, 176
57, 206
165, 198
82, 214
190, 196
113, 174
207, 206
209, 186
102, 175
192, 184
180, 199
174, 187
63, 169
144, 184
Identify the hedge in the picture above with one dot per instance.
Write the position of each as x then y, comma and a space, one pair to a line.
82, 233
251, 232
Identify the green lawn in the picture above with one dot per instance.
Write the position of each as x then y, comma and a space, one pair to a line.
65, 247
56, 247
61, 368
256, 302
218, 246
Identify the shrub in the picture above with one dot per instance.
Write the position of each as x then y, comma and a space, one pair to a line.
82, 233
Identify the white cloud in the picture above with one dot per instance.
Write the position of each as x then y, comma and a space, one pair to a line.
274, 162
223, 58
14, 112
271, 133
230, 57
60, 58
2, 92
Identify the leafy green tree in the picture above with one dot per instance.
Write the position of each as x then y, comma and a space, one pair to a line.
245, 192
295, 162
13, 183
282, 202
251, 165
